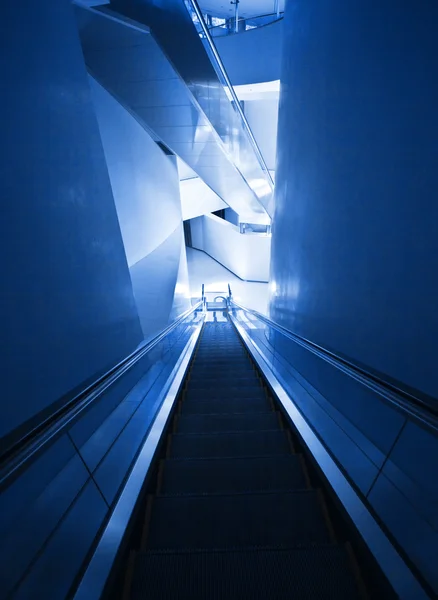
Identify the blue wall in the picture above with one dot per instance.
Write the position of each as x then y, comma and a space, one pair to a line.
355, 244
68, 309
354, 247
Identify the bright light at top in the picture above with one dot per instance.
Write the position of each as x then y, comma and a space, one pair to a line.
217, 286
258, 91
260, 186
182, 289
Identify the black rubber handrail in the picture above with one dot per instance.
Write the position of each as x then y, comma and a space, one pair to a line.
405, 400
51, 428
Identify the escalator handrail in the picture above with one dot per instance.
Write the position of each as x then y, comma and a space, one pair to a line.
51, 428
237, 105
275, 18
405, 400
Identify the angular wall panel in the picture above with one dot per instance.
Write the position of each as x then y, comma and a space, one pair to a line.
67, 302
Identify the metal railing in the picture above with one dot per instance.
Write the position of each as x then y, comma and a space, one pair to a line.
412, 403
230, 27
51, 428
222, 294
194, 10
260, 229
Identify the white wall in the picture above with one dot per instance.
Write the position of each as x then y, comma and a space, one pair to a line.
145, 181
205, 270
262, 116
197, 231
160, 283
145, 185
198, 199
232, 216
246, 255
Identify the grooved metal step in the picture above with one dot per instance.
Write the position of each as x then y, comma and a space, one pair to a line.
237, 520
225, 406
297, 573
202, 382
228, 422
213, 371
233, 518
228, 475
224, 445
224, 350
221, 367
211, 393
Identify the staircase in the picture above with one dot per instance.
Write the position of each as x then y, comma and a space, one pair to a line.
234, 515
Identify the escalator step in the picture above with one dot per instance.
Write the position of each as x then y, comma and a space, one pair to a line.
215, 347
212, 372
225, 406
229, 392
224, 363
202, 382
222, 366
215, 351
227, 353
299, 573
237, 520
228, 475
221, 445
219, 423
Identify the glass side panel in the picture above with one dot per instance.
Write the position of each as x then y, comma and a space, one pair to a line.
224, 111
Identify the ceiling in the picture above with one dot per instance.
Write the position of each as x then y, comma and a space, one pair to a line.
247, 8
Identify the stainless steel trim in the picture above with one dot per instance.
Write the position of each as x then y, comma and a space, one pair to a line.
95, 577
392, 564
219, 64
411, 404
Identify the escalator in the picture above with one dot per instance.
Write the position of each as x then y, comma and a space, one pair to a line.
233, 510
190, 470
184, 100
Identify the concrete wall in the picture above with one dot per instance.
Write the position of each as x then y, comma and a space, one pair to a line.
245, 255
238, 54
354, 247
68, 310
145, 185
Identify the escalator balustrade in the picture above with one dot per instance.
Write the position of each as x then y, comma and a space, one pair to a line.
234, 514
